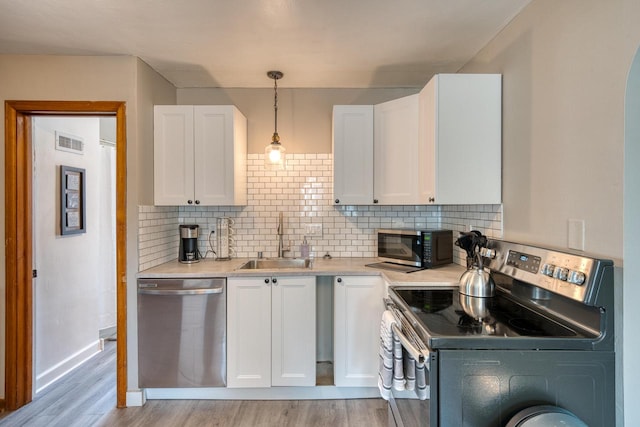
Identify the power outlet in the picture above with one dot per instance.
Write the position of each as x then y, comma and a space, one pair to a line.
313, 229
212, 228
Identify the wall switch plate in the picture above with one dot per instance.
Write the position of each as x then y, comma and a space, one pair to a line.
575, 234
313, 229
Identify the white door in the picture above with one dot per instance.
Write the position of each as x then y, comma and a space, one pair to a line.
358, 310
293, 343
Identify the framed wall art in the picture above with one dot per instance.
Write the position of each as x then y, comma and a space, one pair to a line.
72, 200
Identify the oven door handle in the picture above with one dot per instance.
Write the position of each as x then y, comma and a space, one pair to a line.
417, 354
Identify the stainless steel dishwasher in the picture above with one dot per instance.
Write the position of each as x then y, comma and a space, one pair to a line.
182, 333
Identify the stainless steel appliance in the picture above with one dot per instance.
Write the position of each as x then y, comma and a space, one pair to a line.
415, 248
188, 251
545, 341
475, 282
182, 333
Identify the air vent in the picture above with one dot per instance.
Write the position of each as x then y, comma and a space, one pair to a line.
69, 143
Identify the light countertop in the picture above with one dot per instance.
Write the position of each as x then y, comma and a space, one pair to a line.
447, 275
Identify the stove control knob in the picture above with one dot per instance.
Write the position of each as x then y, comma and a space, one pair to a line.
561, 273
576, 277
547, 269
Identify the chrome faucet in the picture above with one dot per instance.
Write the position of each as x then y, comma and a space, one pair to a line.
280, 231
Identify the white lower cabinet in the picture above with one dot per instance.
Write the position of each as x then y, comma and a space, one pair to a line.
271, 331
358, 308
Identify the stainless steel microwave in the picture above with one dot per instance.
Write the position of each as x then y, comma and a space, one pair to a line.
418, 248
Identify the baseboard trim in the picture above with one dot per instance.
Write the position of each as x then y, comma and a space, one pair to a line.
107, 332
136, 398
271, 393
3, 405
57, 371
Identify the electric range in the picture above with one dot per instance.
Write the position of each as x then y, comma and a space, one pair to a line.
545, 338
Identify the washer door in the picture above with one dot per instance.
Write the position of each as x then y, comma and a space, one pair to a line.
545, 416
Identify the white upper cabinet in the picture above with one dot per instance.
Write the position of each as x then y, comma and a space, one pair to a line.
460, 134
200, 155
396, 161
353, 154
441, 146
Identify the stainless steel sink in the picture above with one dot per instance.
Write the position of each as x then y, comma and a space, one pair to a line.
272, 264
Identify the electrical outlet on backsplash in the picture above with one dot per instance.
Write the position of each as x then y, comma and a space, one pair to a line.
303, 192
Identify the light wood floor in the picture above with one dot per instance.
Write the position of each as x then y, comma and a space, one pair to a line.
86, 398
79, 399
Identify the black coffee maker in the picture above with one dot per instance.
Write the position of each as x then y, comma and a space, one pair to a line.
188, 252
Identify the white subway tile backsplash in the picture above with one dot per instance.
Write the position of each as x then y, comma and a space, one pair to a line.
303, 192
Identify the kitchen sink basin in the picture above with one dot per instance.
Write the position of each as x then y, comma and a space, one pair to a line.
272, 264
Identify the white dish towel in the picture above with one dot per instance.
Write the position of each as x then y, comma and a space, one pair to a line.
397, 368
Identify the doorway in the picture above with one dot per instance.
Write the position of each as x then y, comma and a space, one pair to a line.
74, 293
19, 239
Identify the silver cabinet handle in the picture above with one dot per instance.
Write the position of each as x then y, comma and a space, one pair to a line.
181, 291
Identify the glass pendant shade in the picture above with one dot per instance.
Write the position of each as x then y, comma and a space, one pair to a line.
274, 156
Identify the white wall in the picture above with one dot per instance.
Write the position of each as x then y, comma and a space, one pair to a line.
564, 67
93, 78
631, 339
71, 269
304, 115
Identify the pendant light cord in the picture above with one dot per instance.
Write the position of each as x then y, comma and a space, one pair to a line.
275, 103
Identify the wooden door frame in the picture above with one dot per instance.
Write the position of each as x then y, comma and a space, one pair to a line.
19, 233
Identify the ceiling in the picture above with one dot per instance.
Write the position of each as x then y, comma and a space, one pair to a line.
233, 43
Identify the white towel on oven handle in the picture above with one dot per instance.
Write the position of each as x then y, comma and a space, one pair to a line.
416, 375
397, 368
387, 364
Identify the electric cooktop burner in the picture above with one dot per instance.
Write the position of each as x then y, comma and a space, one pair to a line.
442, 314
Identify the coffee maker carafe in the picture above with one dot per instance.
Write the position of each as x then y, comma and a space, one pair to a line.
188, 252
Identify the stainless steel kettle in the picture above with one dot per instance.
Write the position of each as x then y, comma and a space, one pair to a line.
476, 282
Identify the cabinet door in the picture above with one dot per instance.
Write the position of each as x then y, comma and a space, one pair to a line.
220, 150
427, 128
293, 341
353, 154
396, 162
358, 310
173, 155
248, 332
460, 127
476, 101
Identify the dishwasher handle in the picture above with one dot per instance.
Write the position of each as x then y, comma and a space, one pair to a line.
204, 291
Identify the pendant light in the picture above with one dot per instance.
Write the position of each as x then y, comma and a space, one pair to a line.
274, 152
